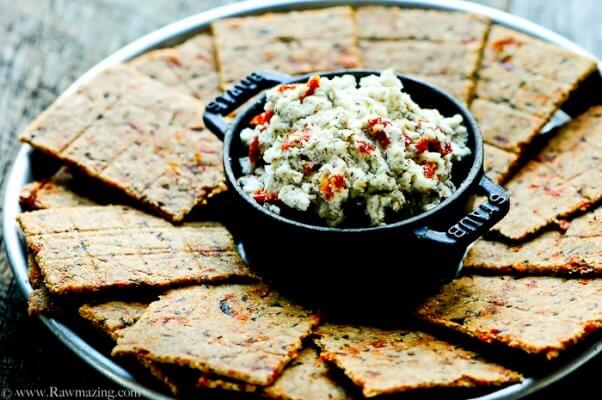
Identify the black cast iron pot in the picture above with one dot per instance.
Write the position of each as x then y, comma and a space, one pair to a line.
373, 268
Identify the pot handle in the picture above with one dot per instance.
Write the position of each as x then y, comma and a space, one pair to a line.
237, 95
475, 223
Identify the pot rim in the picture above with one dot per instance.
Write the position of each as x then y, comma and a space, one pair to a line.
471, 179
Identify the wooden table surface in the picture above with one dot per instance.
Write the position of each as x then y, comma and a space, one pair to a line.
46, 44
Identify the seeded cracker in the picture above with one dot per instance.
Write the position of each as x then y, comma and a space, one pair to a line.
243, 332
54, 192
505, 127
515, 49
523, 80
576, 152
440, 47
541, 315
563, 179
306, 377
394, 23
39, 300
520, 90
284, 42
133, 133
114, 316
392, 361
539, 198
189, 67
286, 26
498, 163
34, 275
293, 58
576, 251
87, 249
425, 58
460, 88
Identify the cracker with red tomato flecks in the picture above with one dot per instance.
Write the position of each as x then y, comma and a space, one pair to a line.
115, 317
586, 225
498, 163
90, 249
461, 88
306, 377
243, 332
424, 58
515, 49
38, 301
57, 191
532, 94
284, 43
562, 179
34, 275
189, 67
549, 254
575, 153
539, 198
538, 314
391, 361
440, 47
505, 127
395, 23
528, 75
112, 317
294, 57
577, 251
137, 135
285, 26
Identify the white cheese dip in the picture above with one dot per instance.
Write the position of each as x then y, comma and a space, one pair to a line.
329, 144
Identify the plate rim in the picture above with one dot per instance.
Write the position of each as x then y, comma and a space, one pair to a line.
20, 172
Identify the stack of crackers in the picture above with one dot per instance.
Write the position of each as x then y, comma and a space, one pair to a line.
112, 235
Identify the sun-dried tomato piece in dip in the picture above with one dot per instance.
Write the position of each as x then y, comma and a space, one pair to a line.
328, 143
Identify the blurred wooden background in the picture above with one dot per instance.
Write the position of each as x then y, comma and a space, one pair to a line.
46, 44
